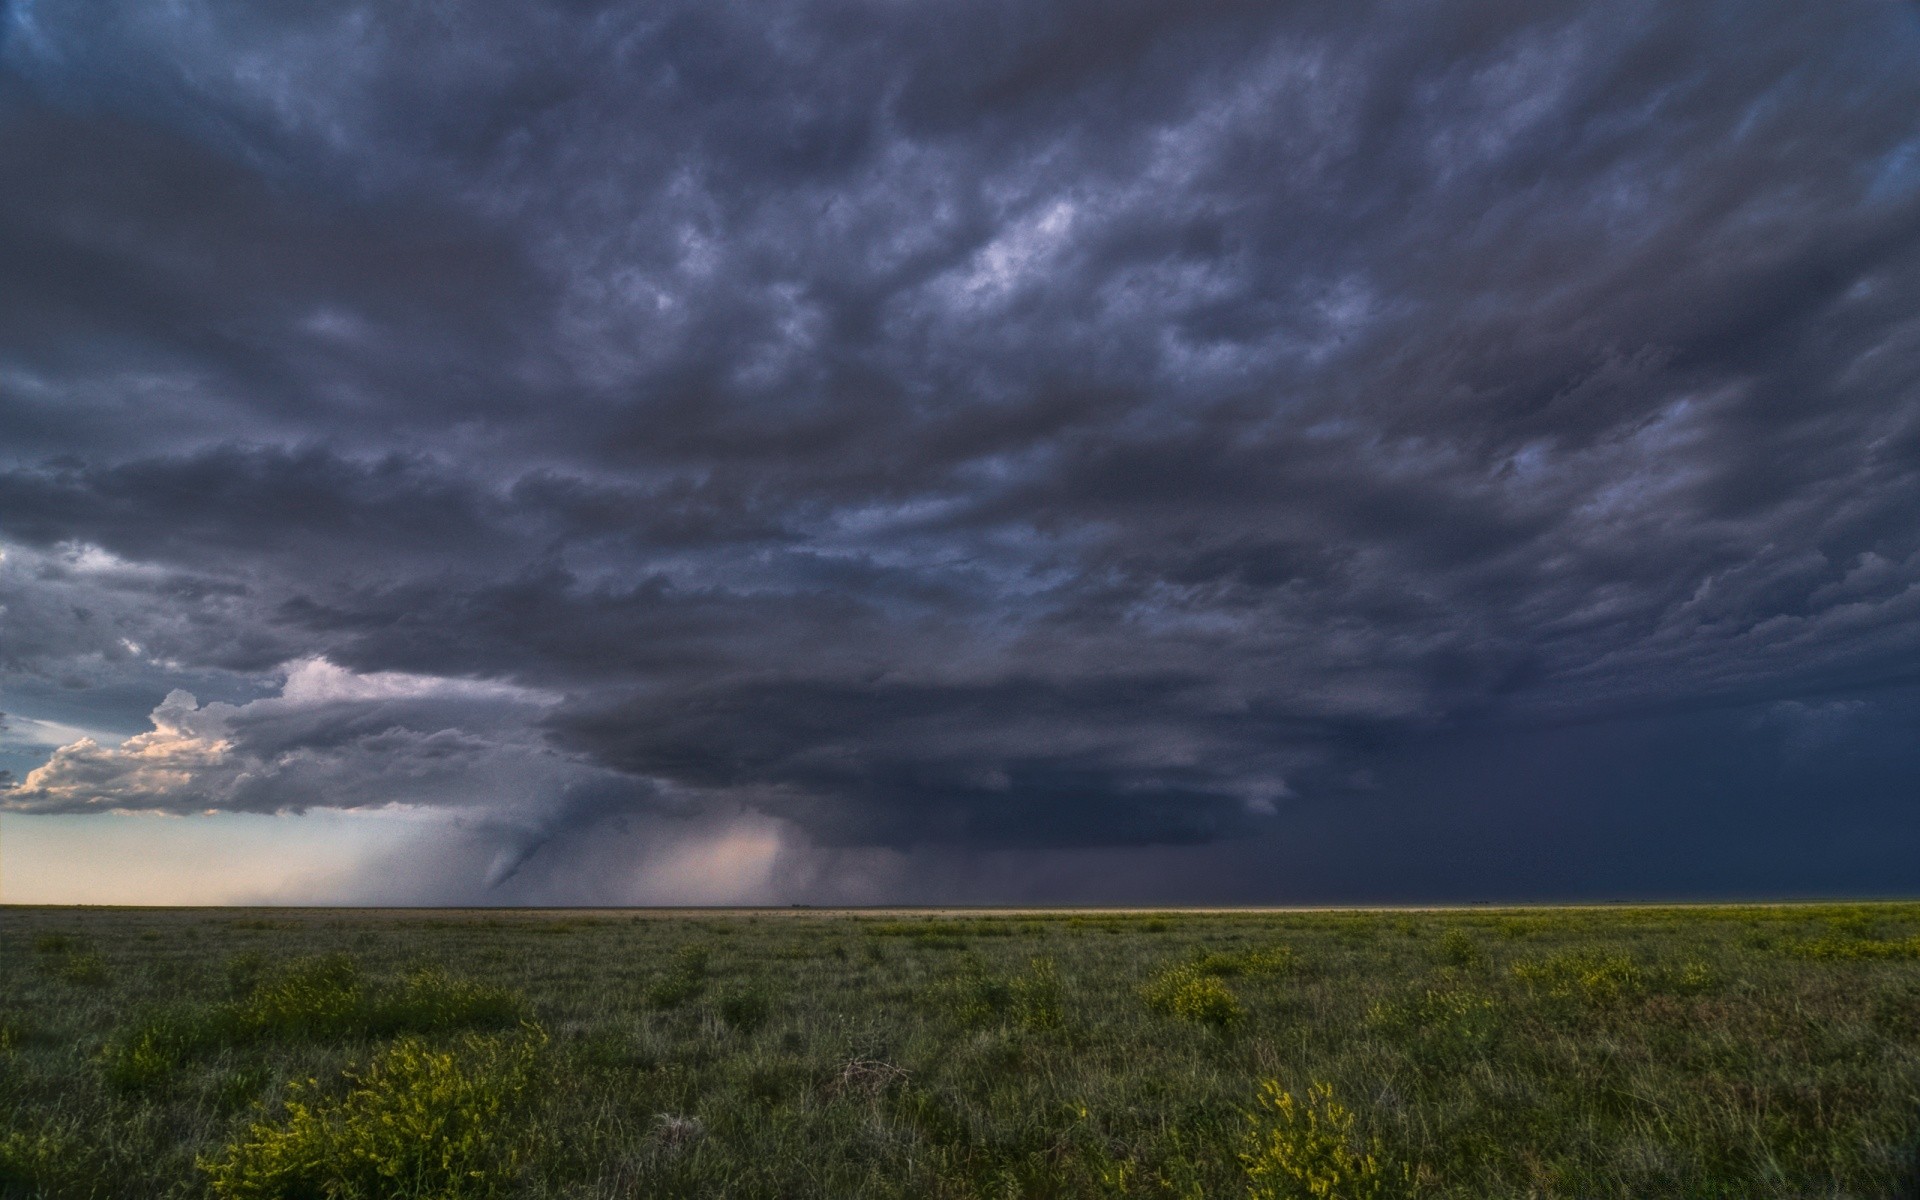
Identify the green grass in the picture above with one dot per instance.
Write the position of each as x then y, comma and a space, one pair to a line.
1633, 1052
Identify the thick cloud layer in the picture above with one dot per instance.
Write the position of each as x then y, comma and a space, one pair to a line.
1002, 428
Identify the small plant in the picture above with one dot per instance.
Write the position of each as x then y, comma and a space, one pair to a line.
1308, 1150
84, 968
39, 1163
1691, 978
976, 996
1441, 1023
55, 943
745, 1008
1187, 993
686, 979
1037, 1000
431, 1000
1272, 960
306, 1000
243, 972
310, 997
418, 1121
1458, 949
1847, 945
1593, 980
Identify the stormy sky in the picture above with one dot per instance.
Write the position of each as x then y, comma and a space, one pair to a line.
1017, 451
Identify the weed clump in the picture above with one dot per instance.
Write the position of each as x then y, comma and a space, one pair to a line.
683, 981
1458, 949
1187, 993
1440, 1023
1309, 1150
447, 1123
311, 999
1037, 996
39, 1163
1847, 943
1271, 960
979, 997
745, 1008
1589, 979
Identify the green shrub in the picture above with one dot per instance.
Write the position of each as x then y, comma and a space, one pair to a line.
41, 1163
430, 1000
1590, 979
55, 943
1690, 978
683, 981
1187, 993
1458, 949
243, 972
1272, 960
152, 1050
745, 1008
976, 996
1308, 1150
1847, 945
1440, 1023
84, 968
450, 1124
310, 999
1037, 998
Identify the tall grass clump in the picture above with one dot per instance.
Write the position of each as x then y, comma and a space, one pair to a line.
684, 980
1269, 960
309, 999
1588, 979
978, 996
1187, 993
1038, 1001
446, 1124
1309, 1150
41, 1163
1439, 1023
1459, 949
1847, 943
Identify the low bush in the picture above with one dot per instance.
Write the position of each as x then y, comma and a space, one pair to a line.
1440, 1023
978, 997
1187, 993
1849, 945
308, 999
1270, 960
450, 1124
745, 1008
1038, 1001
683, 981
41, 1163
1459, 949
1308, 1149
1588, 979
84, 968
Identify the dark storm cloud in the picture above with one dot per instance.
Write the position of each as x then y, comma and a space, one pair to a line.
986, 426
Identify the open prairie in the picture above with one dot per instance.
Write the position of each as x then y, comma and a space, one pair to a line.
1729, 1051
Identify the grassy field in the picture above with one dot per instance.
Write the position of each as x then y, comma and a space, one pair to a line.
1602, 1052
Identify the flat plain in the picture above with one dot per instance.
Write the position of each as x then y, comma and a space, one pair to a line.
1629, 1051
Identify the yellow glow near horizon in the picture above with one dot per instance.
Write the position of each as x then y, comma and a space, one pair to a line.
229, 858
